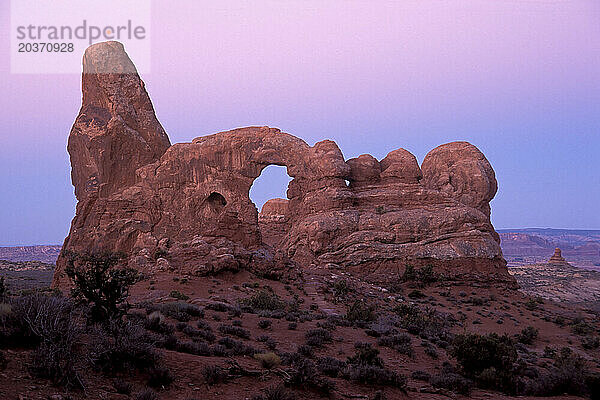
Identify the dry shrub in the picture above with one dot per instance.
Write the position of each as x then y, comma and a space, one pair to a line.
214, 374
51, 323
268, 360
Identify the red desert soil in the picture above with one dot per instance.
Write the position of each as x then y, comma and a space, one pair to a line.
479, 309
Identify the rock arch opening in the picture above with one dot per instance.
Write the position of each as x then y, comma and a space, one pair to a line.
271, 184
269, 195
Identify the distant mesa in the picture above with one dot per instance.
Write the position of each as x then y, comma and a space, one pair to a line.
535, 246
189, 202
46, 253
557, 258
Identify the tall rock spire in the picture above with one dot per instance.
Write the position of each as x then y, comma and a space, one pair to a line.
116, 130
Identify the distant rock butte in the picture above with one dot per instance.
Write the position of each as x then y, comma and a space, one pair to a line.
557, 258
186, 209
536, 246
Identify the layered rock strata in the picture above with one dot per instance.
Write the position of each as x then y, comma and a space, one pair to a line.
557, 258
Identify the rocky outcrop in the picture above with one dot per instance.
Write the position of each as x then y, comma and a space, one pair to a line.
116, 130
273, 222
557, 258
186, 208
460, 170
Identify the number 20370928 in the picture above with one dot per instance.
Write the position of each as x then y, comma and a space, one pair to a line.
45, 47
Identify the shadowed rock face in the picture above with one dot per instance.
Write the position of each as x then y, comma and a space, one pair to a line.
190, 202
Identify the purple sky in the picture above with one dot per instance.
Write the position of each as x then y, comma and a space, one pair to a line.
519, 79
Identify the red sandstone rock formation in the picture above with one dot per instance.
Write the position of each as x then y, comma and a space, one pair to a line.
273, 222
557, 258
116, 130
191, 200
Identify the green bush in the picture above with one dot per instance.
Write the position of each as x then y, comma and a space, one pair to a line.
360, 311
122, 387
331, 366
218, 306
156, 323
234, 331
420, 375
176, 294
400, 342
318, 337
264, 301
178, 310
451, 381
422, 276
160, 253
568, 374
531, 305
373, 375
582, 327
304, 375
428, 323
160, 377
341, 288
476, 353
268, 360
99, 284
214, 374
278, 392
205, 331
9, 327
528, 335
365, 354
416, 294
236, 347
121, 346
196, 348
590, 342
490, 360
366, 367
265, 324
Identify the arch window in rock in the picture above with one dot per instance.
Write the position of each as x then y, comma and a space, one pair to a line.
269, 195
